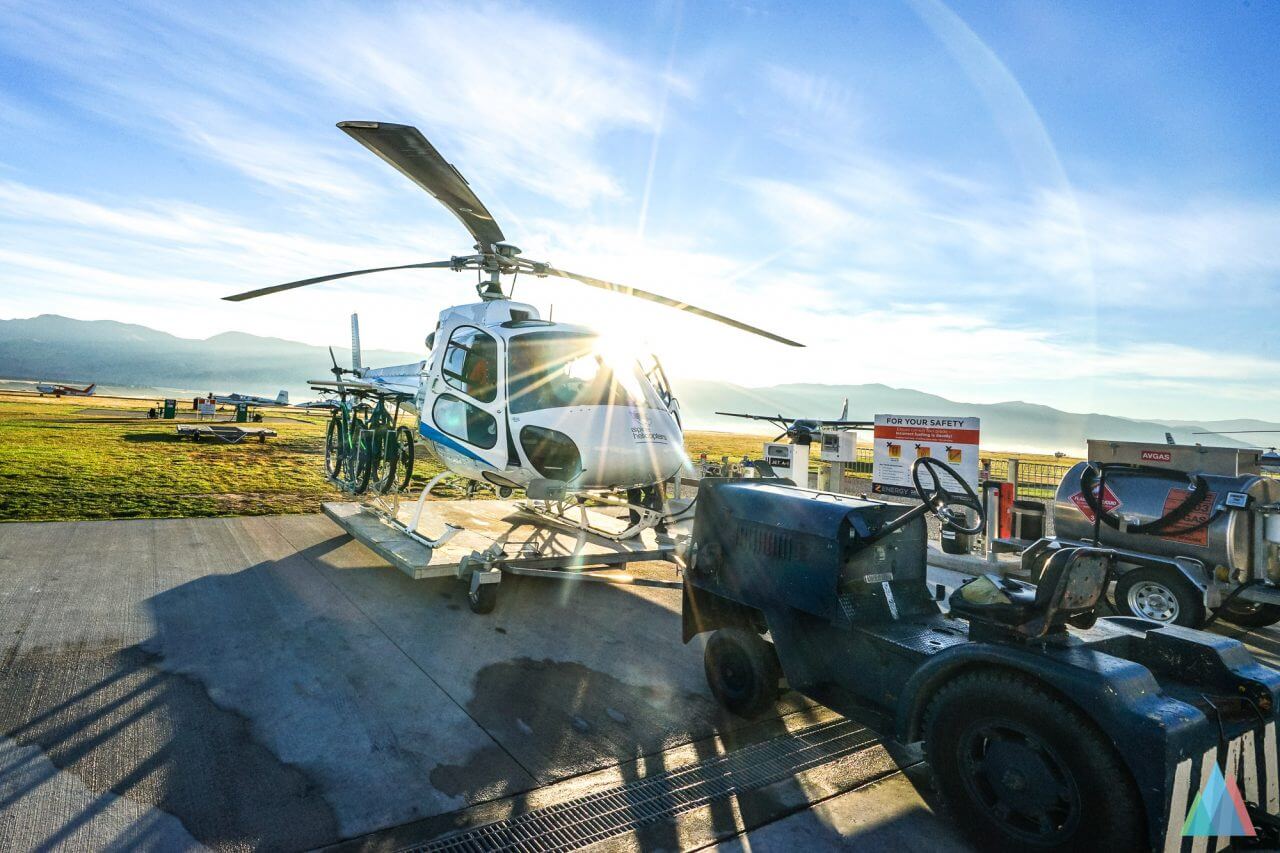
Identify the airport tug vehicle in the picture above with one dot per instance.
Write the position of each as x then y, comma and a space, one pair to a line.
1046, 727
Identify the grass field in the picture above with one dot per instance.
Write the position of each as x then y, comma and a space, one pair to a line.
100, 457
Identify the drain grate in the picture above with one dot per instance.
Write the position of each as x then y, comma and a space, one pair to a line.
577, 823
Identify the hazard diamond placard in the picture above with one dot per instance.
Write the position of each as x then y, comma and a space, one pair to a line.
1109, 502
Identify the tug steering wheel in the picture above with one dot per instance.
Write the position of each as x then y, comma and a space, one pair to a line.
943, 503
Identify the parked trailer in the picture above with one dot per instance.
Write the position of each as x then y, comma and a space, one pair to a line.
1046, 728
1197, 530
225, 434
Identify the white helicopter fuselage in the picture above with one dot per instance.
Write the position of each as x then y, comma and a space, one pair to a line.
507, 398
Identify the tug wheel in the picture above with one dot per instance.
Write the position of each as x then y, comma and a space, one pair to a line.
1020, 769
1160, 595
742, 671
1249, 614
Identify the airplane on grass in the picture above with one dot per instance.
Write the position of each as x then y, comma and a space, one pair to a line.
282, 399
65, 390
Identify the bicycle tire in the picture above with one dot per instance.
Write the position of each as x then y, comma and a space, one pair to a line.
404, 455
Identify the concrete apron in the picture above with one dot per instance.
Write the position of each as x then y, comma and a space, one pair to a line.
266, 682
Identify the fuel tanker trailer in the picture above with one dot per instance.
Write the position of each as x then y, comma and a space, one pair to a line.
1196, 530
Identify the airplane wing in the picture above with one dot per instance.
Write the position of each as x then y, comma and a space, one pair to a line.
851, 424
770, 418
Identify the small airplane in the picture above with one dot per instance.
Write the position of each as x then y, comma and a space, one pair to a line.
65, 390
512, 400
805, 430
282, 399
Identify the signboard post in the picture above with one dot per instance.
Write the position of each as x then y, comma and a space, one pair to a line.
901, 439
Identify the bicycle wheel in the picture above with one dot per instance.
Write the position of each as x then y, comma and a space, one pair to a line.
384, 460
355, 457
404, 455
333, 441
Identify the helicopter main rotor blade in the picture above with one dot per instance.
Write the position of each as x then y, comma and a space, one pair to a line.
665, 300
405, 148
276, 288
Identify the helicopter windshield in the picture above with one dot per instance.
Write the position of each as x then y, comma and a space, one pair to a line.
551, 370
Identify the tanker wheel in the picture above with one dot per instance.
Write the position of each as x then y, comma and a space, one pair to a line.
1249, 614
742, 671
1160, 595
483, 599
1021, 769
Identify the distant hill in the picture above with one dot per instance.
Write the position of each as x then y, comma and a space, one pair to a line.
1006, 426
60, 349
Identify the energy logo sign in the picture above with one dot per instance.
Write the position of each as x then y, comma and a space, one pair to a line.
1218, 810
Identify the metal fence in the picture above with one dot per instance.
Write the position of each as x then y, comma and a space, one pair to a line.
1035, 479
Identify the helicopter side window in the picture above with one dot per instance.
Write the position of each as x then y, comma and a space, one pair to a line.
458, 418
470, 363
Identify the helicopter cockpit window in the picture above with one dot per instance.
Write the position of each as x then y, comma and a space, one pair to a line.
471, 363
458, 418
550, 370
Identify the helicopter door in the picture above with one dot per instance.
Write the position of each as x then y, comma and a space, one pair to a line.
658, 379
467, 408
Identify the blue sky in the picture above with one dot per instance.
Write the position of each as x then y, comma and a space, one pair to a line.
1066, 203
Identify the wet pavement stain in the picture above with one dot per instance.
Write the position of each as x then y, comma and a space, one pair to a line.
475, 781
557, 718
117, 720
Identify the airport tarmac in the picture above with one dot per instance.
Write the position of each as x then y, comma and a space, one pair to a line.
265, 682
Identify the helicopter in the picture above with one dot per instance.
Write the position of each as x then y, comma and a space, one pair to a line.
509, 399
805, 430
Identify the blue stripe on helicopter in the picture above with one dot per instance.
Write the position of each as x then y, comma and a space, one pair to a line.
431, 434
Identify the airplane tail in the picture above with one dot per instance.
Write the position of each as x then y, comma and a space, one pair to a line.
88, 392
844, 410
282, 399
355, 344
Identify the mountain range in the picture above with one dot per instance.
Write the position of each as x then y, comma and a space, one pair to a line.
61, 349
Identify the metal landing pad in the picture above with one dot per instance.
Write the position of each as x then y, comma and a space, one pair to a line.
528, 545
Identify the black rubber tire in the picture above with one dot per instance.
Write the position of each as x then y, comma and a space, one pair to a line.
404, 454
742, 671
1097, 806
1249, 614
1190, 603
385, 458
484, 599
333, 448
361, 461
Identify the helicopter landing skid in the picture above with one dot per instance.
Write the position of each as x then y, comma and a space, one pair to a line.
572, 512
387, 506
